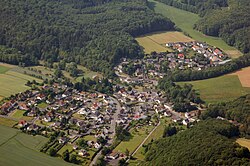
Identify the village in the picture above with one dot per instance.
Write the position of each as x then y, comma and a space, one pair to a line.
186, 55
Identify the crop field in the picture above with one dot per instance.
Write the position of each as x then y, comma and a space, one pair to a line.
17, 148
7, 122
224, 88
186, 20
157, 41
244, 142
12, 82
244, 76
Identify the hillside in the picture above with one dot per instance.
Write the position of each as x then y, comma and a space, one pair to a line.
221, 18
93, 33
238, 110
207, 143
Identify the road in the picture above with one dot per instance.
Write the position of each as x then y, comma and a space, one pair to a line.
144, 140
111, 129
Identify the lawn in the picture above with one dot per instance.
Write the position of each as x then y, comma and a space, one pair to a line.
224, 88
7, 122
17, 148
135, 141
18, 114
64, 148
244, 142
186, 20
42, 105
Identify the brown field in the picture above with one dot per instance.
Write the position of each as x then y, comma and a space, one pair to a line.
244, 142
156, 41
233, 53
244, 76
7, 65
168, 37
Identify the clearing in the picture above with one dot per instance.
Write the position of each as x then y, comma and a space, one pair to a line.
244, 76
219, 89
244, 142
186, 20
157, 41
17, 148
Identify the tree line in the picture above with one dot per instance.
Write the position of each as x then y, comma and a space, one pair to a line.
95, 33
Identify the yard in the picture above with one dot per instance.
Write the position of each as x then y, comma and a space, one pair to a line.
186, 20
42, 105
18, 114
17, 148
224, 88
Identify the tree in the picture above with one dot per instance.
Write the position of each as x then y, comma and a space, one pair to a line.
52, 152
73, 159
169, 131
65, 155
127, 152
58, 73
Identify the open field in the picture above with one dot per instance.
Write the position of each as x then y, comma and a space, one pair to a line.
244, 142
17, 148
18, 114
3, 69
186, 20
157, 41
12, 82
7, 122
224, 88
244, 76
135, 141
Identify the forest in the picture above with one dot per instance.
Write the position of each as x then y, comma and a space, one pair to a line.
92, 33
207, 143
221, 18
237, 110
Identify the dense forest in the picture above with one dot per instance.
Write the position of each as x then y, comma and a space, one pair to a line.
191, 75
207, 143
93, 33
237, 110
228, 19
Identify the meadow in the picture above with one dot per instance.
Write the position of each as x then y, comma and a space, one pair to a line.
157, 41
244, 76
17, 148
219, 89
137, 136
186, 21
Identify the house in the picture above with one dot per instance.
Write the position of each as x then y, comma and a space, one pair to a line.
75, 147
82, 152
97, 145
22, 123
113, 155
63, 140
33, 127
185, 122
181, 56
47, 119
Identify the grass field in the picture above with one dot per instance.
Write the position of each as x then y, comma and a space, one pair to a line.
157, 41
12, 82
3, 69
224, 88
186, 20
17, 148
135, 141
244, 76
244, 142
7, 122
18, 114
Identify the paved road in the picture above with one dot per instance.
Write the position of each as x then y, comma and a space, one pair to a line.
111, 130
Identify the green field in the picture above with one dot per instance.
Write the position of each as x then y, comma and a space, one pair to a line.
3, 69
12, 82
17, 148
224, 88
135, 141
186, 20
7, 122
18, 114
